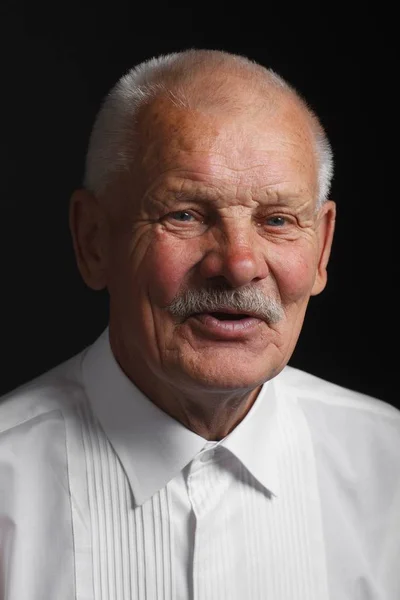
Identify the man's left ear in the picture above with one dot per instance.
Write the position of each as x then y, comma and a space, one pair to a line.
325, 229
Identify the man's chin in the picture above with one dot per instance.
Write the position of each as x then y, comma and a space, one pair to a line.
228, 374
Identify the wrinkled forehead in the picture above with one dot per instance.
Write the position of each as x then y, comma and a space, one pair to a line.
169, 136
164, 132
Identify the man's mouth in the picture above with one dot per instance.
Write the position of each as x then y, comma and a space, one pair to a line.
222, 325
225, 316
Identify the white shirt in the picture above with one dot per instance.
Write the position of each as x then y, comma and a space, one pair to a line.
103, 496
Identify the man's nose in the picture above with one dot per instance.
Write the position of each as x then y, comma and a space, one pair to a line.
237, 255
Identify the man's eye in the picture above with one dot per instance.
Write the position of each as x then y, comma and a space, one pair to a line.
277, 221
181, 215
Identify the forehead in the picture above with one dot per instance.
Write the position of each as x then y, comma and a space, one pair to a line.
265, 145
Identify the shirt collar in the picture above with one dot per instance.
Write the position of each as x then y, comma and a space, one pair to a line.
152, 446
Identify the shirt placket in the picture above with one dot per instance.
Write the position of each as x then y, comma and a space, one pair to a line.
208, 485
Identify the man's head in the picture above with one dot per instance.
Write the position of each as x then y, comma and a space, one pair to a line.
206, 186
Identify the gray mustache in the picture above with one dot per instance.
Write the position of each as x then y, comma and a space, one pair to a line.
247, 300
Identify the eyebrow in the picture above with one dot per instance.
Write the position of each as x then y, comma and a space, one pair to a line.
207, 198
203, 197
192, 197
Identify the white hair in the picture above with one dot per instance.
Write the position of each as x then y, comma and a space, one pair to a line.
111, 147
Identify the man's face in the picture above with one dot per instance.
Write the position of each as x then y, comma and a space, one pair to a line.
216, 201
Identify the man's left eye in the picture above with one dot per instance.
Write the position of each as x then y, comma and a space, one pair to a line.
277, 221
181, 215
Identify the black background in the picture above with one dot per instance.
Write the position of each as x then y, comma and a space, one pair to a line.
60, 60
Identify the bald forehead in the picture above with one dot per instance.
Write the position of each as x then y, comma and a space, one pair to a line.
164, 123
224, 90
230, 87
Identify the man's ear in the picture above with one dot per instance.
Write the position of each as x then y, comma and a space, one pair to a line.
87, 222
325, 230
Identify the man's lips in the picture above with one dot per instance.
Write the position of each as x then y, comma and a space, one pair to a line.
226, 329
226, 314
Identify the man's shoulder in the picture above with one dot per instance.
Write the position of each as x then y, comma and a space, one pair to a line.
356, 441
56, 389
315, 390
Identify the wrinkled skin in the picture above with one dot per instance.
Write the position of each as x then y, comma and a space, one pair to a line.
212, 199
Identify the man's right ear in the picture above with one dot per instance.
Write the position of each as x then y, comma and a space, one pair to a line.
87, 223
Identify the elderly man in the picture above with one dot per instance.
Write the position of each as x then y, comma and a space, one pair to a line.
178, 457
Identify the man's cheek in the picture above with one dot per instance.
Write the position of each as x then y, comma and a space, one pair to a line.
167, 270
296, 275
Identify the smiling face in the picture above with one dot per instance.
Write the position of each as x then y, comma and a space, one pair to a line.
215, 202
